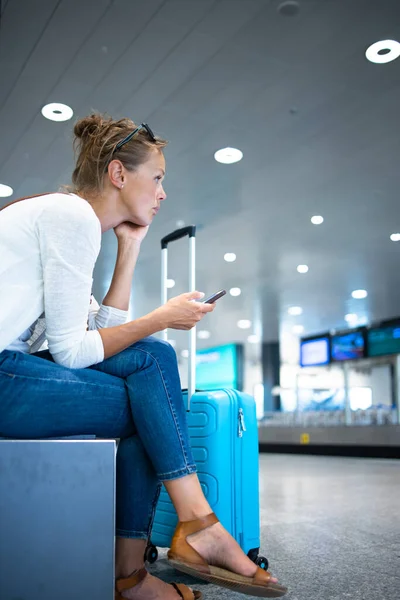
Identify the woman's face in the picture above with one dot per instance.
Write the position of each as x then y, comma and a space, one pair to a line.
143, 191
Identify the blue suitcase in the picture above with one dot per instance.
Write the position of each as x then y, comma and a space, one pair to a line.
224, 439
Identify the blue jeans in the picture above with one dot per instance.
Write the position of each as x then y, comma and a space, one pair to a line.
134, 395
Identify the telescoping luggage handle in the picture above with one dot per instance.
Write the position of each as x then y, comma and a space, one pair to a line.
173, 237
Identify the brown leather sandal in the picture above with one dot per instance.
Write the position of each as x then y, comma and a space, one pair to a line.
183, 557
129, 582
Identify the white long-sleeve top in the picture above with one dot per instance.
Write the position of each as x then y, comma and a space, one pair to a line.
48, 248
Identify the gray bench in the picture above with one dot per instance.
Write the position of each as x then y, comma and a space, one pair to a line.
57, 519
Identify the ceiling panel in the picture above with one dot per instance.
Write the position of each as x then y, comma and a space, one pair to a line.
19, 37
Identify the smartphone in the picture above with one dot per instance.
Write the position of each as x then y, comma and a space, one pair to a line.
214, 297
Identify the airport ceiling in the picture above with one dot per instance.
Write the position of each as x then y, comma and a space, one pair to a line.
318, 125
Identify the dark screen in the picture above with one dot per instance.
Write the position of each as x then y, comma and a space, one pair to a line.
384, 340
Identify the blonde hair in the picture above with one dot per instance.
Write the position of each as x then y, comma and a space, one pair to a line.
96, 137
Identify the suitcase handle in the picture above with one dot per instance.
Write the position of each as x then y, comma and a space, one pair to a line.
172, 237
177, 235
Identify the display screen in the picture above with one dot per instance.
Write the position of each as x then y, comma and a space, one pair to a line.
314, 352
384, 340
220, 367
348, 346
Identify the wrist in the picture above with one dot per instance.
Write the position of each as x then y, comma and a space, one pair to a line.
159, 318
128, 244
128, 252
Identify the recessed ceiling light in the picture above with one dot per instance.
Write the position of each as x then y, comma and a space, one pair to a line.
317, 220
57, 112
5, 190
302, 268
253, 339
170, 283
295, 311
180, 224
235, 291
350, 317
289, 8
228, 156
230, 257
383, 52
298, 329
203, 334
395, 237
185, 353
359, 294
244, 324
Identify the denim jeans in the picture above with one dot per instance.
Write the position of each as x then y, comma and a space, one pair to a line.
134, 395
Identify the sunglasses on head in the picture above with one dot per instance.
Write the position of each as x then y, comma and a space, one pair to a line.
131, 135
134, 132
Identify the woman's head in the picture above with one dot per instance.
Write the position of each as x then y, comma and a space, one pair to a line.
134, 169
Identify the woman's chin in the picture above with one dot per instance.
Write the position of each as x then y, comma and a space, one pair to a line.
140, 222
151, 218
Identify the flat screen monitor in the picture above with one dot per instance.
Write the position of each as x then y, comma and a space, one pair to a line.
348, 346
220, 367
384, 340
314, 352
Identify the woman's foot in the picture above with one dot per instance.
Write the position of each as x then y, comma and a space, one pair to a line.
204, 549
220, 549
151, 588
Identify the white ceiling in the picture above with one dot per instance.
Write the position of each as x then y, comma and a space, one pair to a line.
318, 125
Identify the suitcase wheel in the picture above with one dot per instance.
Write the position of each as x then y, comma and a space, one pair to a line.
151, 554
262, 562
253, 554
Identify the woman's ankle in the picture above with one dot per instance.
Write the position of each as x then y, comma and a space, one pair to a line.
129, 556
188, 498
194, 513
122, 572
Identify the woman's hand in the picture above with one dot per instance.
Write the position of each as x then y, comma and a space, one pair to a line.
182, 312
129, 231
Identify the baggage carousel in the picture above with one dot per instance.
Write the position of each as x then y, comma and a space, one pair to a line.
381, 441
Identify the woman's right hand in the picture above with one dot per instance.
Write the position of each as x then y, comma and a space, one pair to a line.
183, 312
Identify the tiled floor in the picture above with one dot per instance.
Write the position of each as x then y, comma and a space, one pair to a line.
330, 528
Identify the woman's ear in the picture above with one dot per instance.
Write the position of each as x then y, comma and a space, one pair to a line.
116, 173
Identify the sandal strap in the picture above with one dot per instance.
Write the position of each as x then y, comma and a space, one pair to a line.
130, 582
183, 591
189, 527
261, 576
180, 546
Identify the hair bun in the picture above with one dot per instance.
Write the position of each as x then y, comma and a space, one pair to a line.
89, 126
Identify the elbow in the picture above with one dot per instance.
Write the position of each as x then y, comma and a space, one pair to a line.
79, 354
69, 360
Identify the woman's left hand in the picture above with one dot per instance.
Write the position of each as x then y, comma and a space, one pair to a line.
130, 232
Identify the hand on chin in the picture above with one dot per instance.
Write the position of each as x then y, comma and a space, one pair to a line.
131, 231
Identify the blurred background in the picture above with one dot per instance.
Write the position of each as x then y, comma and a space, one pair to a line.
302, 231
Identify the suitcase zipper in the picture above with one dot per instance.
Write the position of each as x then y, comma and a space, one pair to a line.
241, 424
